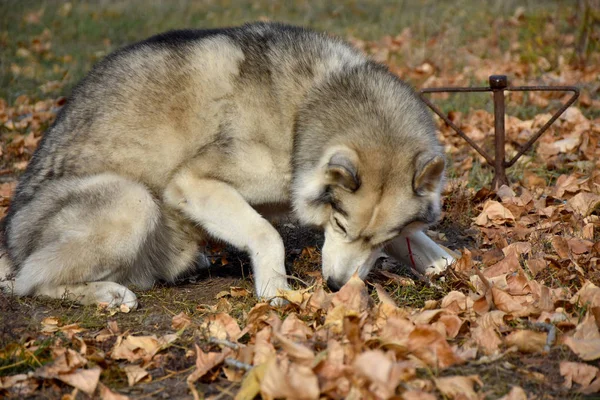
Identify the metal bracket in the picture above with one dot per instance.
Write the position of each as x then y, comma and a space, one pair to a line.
498, 85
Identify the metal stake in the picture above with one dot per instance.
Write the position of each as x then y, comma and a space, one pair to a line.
498, 85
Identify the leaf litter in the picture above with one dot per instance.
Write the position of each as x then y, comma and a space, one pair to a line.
526, 285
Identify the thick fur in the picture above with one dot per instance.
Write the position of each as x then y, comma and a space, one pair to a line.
185, 134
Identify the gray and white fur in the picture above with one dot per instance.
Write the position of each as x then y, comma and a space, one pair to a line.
184, 135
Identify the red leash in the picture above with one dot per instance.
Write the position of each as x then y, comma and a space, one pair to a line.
412, 260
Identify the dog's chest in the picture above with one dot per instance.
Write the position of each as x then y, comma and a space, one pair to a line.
260, 171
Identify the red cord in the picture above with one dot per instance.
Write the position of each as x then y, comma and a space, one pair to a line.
412, 260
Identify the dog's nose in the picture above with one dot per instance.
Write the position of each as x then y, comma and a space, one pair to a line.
333, 285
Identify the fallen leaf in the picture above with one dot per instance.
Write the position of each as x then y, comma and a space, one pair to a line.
134, 373
284, 379
580, 373
107, 394
584, 203
50, 325
494, 213
250, 387
295, 328
221, 326
205, 362
586, 349
383, 373
295, 351
516, 393
353, 295
505, 302
427, 344
459, 387
561, 246
487, 339
527, 341
134, 348
239, 292
181, 321
85, 380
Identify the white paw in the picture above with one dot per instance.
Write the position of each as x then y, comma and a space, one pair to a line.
439, 265
271, 290
115, 295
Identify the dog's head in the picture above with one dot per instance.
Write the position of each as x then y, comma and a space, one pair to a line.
364, 197
367, 166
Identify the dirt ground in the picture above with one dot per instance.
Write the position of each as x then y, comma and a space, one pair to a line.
20, 320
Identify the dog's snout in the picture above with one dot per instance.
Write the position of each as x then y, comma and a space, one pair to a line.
333, 285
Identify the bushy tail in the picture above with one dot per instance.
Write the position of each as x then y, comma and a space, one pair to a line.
6, 271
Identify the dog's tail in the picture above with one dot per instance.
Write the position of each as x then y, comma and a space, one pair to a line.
6, 271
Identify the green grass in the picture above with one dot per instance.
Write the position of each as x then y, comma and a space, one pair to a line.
85, 31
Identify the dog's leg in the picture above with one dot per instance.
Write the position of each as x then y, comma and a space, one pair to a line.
222, 211
109, 293
81, 237
418, 250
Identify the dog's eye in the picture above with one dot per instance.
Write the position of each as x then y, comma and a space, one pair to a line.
340, 225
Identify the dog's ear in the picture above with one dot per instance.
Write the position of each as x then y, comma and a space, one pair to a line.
429, 168
342, 170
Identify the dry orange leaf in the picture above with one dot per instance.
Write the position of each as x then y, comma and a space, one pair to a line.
181, 321
580, 373
134, 374
430, 346
527, 341
284, 379
220, 326
494, 213
460, 387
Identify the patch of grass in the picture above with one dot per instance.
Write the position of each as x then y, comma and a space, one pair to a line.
15, 358
81, 32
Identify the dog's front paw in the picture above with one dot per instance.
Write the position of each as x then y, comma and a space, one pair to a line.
271, 291
439, 265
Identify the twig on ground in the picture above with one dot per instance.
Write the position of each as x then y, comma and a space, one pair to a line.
299, 280
224, 342
232, 362
174, 373
551, 334
192, 387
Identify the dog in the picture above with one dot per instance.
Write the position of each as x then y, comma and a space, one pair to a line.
187, 134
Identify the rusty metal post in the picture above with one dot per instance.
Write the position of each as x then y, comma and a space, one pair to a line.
498, 83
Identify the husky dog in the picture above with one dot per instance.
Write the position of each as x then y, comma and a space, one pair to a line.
187, 134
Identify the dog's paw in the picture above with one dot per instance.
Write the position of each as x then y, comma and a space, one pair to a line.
278, 302
115, 295
271, 292
439, 265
